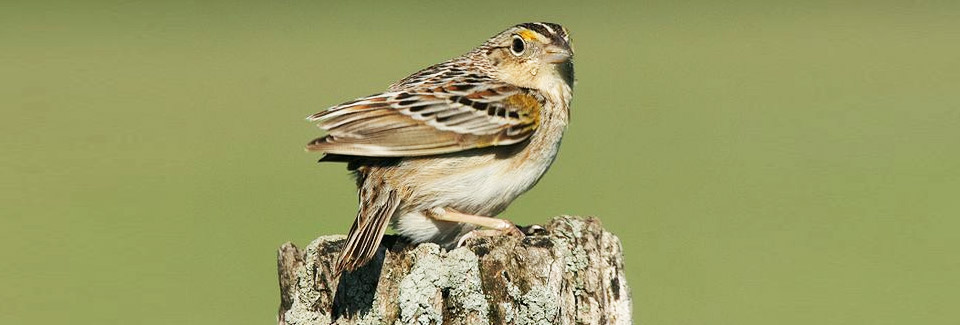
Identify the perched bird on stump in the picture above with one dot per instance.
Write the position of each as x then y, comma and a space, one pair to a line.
445, 150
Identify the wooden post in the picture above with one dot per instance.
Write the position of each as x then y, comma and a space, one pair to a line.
570, 274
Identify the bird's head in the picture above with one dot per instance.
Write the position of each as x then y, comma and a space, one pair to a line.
532, 55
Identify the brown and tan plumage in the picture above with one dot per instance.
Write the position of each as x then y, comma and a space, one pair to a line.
425, 121
445, 149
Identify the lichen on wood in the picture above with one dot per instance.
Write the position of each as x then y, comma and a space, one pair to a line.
572, 273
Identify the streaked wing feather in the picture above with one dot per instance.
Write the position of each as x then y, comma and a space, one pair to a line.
434, 118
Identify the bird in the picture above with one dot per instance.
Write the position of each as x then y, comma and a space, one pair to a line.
442, 152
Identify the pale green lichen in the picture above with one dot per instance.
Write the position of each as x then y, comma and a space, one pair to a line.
463, 279
508, 313
578, 260
305, 295
434, 271
537, 306
420, 287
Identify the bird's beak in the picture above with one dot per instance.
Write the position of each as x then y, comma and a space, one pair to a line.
556, 54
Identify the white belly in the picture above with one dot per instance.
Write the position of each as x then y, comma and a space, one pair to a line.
488, 190
483, 183
484, 189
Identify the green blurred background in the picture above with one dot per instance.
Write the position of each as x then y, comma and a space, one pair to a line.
788, 162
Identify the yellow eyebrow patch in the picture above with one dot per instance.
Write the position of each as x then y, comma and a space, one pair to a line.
527, 35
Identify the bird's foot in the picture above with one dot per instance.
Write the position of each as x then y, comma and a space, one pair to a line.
478, 233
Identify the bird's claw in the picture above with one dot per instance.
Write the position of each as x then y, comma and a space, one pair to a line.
511, 231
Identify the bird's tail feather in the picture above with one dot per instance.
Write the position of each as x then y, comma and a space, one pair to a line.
377, 205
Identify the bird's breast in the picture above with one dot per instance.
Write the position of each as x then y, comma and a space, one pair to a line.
486, 181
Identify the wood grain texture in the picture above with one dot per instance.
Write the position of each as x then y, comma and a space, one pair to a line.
571, 274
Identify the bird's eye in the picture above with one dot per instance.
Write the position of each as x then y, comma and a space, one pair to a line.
518, 46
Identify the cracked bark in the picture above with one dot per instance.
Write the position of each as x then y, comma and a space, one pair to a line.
572, 274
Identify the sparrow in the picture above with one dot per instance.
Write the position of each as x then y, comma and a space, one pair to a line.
446, 149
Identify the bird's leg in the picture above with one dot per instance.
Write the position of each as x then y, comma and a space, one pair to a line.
497, 226
502, 225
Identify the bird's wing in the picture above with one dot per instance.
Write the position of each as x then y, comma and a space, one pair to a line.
461, 114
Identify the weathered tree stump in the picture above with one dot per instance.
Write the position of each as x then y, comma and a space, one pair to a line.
571, 274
